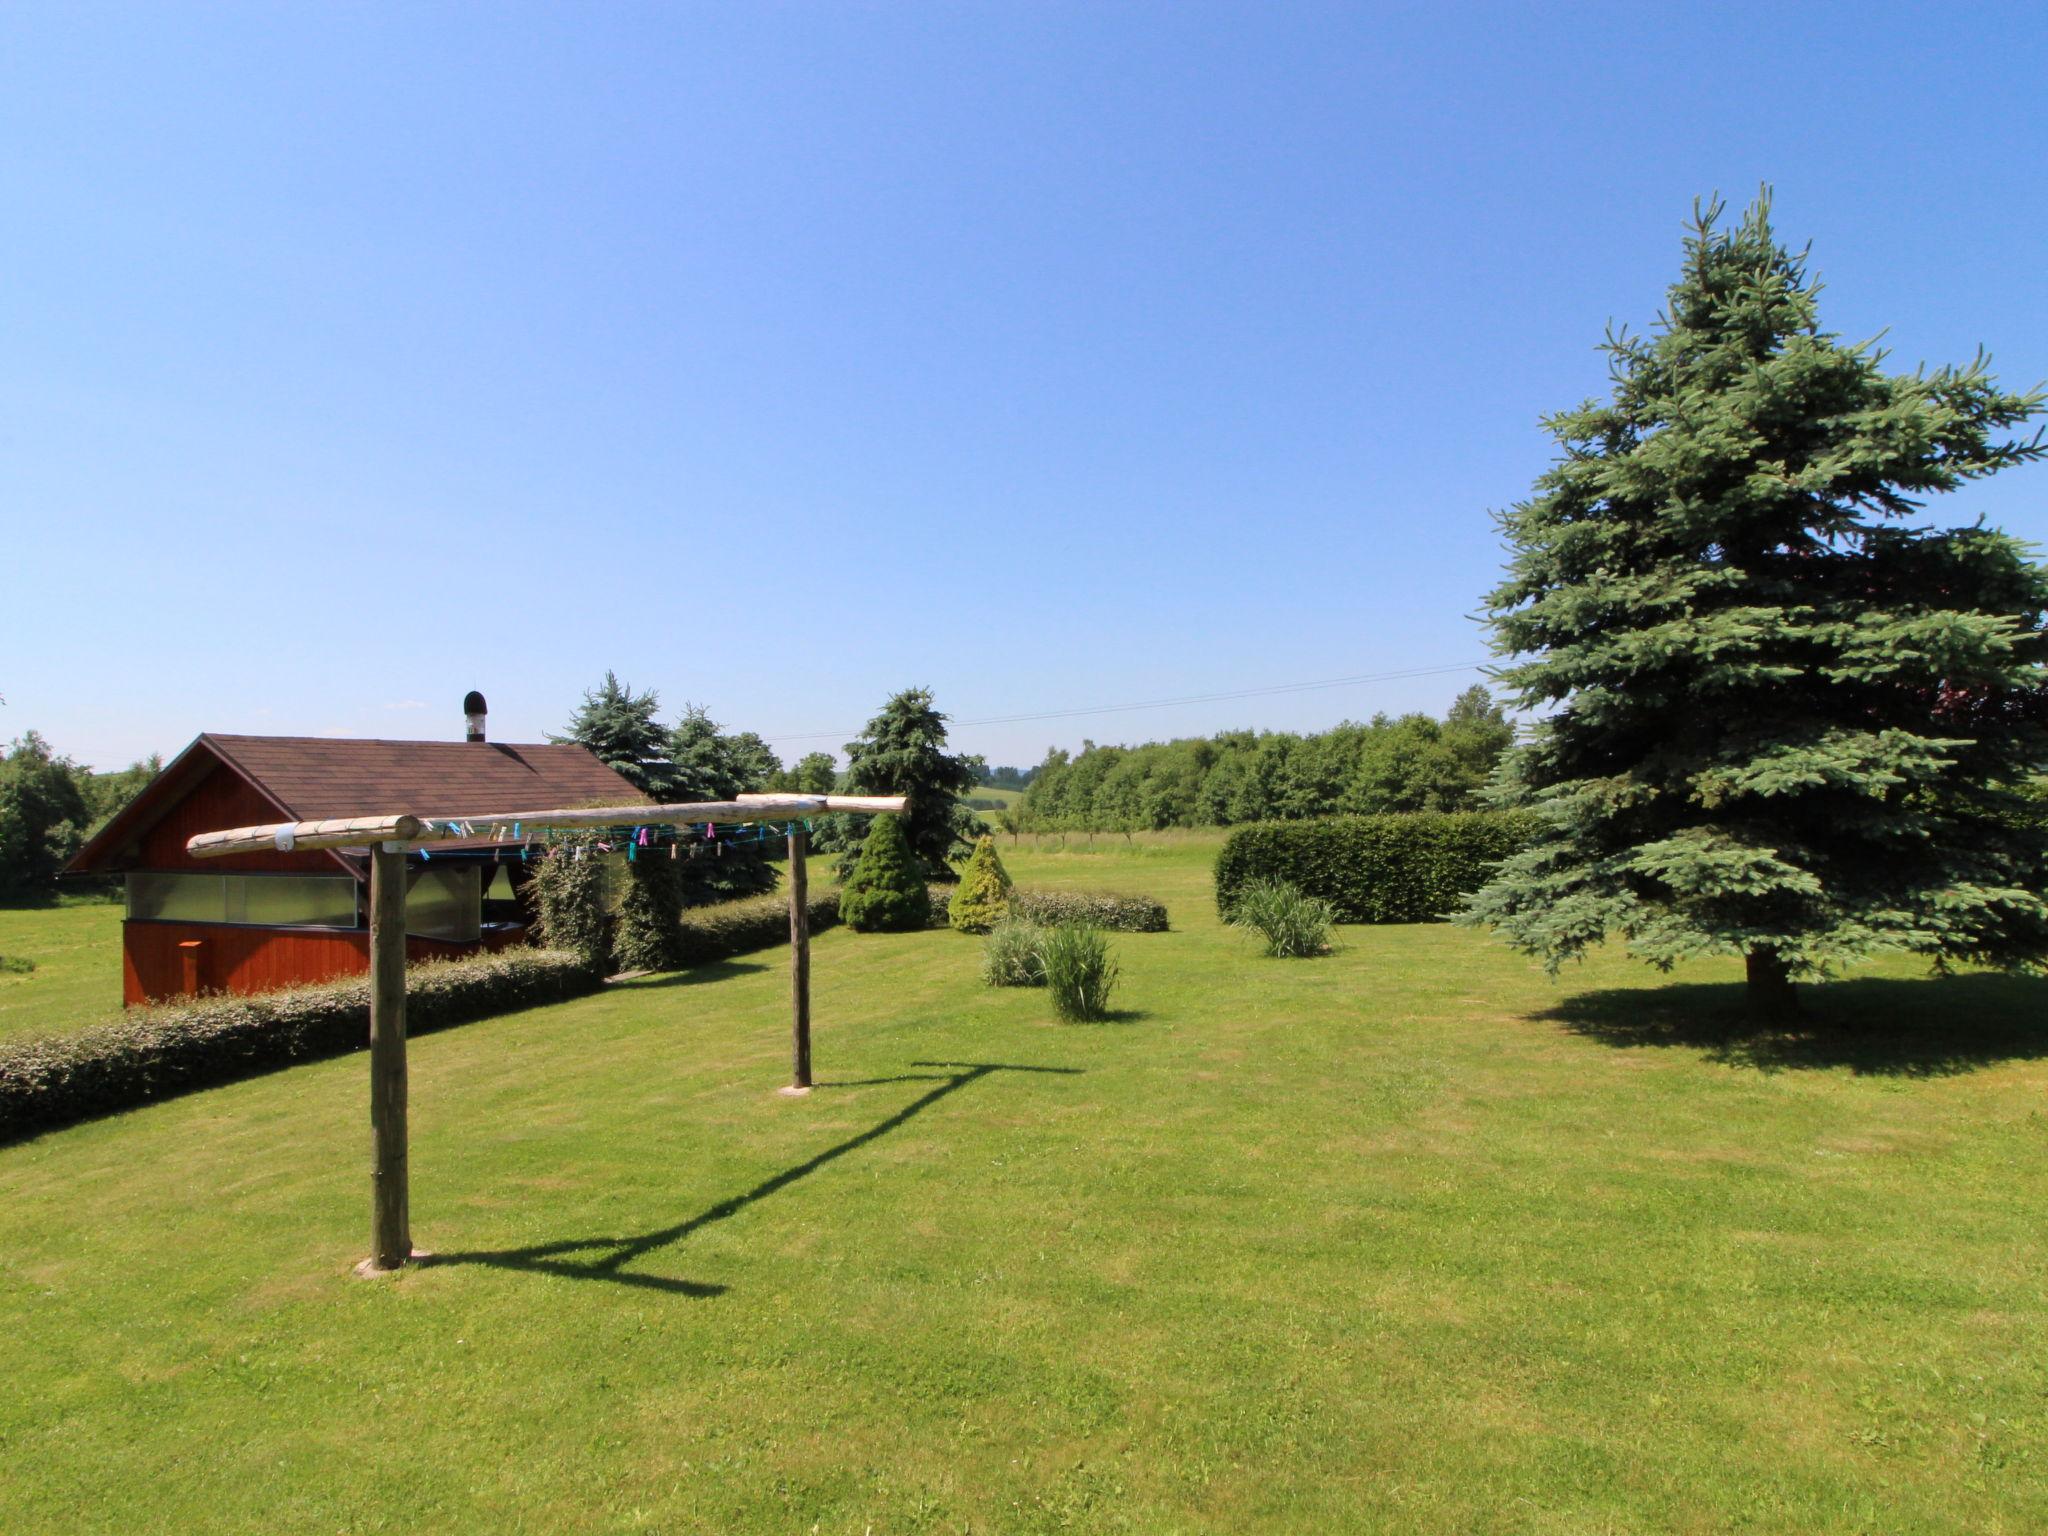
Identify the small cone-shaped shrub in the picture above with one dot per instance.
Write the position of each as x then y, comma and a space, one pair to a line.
886, 891
982, 898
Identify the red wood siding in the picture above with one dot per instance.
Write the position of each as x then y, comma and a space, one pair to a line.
237, 959
221, 799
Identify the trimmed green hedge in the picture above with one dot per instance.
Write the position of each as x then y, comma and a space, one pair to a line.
752, 922
153, 1053
1096, 909
1414, 868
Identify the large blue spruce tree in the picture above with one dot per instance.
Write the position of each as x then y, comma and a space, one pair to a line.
1781, 717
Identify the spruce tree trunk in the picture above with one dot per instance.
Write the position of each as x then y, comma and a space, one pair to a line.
1772, 999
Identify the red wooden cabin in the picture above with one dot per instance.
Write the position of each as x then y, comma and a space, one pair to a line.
252, 922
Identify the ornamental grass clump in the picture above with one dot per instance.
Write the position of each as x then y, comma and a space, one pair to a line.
1010, 957
1079, 971
982, 898
1293, 926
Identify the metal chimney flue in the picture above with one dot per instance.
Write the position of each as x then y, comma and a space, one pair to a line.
473, 712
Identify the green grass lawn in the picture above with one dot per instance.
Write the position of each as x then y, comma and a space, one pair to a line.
1409, 1239
76, 947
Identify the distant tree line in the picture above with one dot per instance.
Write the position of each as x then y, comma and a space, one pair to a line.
49, 806
1007, 778
1406, 763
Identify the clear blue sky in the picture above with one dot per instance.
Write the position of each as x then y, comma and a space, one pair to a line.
781, 356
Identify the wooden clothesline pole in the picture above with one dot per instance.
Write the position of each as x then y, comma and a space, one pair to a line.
799, 965
390, 1178
388, 837
511, 826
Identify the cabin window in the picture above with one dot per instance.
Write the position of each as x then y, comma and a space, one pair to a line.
446, 904
258, 901
178, 898
292, 901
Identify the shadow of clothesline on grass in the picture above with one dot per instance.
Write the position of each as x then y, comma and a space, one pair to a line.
554, 1258
690, 976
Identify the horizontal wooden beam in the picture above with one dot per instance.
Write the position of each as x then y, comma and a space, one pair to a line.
284, 836
886, 805
494, 826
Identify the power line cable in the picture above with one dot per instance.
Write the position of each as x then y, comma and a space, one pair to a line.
1192, 698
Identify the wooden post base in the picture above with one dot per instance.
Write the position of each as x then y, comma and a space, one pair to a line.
370, 1269
795, 1091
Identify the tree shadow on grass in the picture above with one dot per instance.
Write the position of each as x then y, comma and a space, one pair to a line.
1877, 1027
1113, 1016
611, 1254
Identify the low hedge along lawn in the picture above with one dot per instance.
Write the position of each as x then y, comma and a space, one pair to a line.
152, 1053
1412, 868
1095, 909
752, 922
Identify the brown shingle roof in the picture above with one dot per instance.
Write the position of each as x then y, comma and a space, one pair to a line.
310, 778
318, 777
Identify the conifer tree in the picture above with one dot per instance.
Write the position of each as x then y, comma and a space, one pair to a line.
702, 757
1782, 718
903, 752
886, 889
618, 725
982, 898
813, 774
706, 764
755, 766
